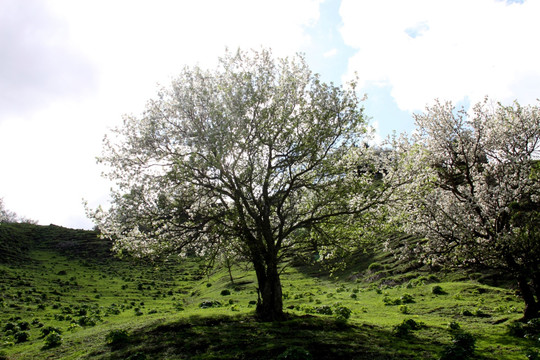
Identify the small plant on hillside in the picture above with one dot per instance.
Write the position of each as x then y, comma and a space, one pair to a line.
137, 356
225, 292
438, 290
404, 329
52, 340
404, 309
533, 354
50, 329
117, 338
87, 321
374, 267
388, 301
209, 304
342, 313
324, 310
21, 336
10, 326
462, 347
23, 325
295, 353
407, 298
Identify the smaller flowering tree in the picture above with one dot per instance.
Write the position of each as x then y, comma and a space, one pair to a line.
475, 194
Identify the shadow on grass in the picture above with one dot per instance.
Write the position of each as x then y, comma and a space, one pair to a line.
242, 337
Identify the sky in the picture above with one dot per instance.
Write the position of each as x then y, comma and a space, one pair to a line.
69, 70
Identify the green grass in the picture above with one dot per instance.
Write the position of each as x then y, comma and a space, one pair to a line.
158, 306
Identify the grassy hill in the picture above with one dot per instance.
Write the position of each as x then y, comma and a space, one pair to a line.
64, 296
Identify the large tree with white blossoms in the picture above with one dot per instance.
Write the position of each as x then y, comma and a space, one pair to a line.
252, 157
475, 197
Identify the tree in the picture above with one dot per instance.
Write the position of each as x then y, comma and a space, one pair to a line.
476, 190
251, 157
6, 216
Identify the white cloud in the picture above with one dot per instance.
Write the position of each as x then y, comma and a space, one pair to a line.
330, 53
452, 50
48, 149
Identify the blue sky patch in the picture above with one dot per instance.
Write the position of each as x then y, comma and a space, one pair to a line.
417, 30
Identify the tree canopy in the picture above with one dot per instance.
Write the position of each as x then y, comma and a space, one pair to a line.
252, 157
475, 194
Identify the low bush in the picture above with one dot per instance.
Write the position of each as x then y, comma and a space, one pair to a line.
225, 292
404, 329
295, 353
342, 313
117, 337
324, 310
53, 340
23, 325
209, 304
388, 301
374, 267
404, 309
462, 347
438, 290
407, 298
50, 329
21, 336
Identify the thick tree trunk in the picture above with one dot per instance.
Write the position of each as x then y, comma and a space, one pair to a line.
532, 307
270, 302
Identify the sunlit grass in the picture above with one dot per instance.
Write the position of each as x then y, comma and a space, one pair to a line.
159, 305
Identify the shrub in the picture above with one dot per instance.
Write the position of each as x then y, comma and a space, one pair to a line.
21, 336
406, 326
388, 301
438, 290
530, 329
533, 326
462, 347
137, 356
23, 325
10, 326
454, 325
324, 310
50, 329
87, 321
225, 292
209, 304
467, 313
407, 298
374, 267
404, 309
533, 354
342, 313
117, 338
52, 340
295, 353
73, 326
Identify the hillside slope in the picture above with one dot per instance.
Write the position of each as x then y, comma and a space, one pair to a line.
66, 282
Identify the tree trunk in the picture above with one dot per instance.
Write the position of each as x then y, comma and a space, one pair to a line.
270, 301
531, 305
